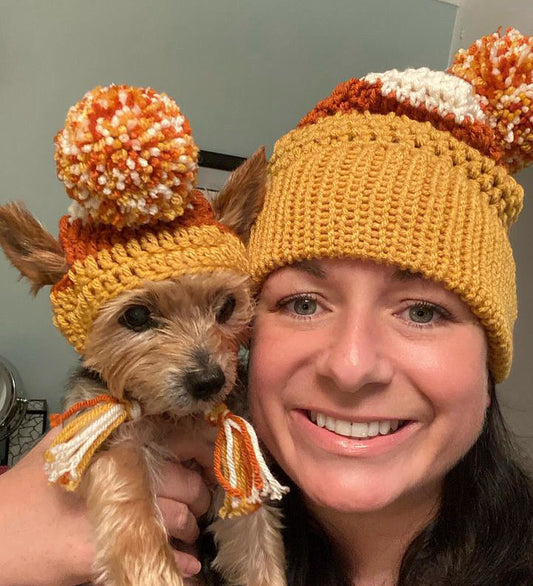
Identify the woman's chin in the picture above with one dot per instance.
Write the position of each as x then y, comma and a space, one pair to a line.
344, 496
348, 503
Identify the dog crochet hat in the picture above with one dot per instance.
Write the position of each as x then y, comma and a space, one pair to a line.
413, 168
128, 160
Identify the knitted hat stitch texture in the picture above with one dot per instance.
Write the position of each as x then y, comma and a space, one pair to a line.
407, 168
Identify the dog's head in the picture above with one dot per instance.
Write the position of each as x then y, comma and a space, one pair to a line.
169, 343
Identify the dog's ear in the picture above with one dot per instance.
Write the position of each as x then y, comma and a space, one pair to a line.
31, 249
240, 200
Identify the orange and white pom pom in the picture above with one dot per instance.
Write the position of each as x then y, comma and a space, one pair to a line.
500, 68
126, 156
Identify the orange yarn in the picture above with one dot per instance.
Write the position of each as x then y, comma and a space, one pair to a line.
126, 156
360, 95
82, 240
70, 453
58, 418
500, 68
239, 465
247, 466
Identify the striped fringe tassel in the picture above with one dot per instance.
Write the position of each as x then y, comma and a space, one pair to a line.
70, 453
239, 465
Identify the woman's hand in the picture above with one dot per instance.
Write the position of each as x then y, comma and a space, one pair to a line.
45, 537
184, 494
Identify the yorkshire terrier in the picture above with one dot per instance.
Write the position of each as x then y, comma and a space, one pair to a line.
169, 346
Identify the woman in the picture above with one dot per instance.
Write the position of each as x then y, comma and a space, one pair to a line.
369, 385
384, 319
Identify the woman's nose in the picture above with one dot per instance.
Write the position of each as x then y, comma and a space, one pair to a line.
357, 355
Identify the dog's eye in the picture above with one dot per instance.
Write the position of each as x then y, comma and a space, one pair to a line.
226, 310
137, 318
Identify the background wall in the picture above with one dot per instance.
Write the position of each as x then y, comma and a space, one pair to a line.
244, 72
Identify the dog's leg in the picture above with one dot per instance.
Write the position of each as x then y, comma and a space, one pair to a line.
132, 547
250, 548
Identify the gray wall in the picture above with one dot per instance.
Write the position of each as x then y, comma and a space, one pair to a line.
244, 72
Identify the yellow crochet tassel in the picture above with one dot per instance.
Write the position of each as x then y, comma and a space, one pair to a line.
239, 465
70, 453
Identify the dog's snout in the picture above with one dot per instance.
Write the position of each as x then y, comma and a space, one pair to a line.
203, 384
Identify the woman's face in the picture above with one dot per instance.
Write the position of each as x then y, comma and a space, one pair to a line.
367, 383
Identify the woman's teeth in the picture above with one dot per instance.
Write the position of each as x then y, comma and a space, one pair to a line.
358, 430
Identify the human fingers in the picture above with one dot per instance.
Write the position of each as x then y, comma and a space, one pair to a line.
186, 486
187, 563
195, 441
46, 536
179, 521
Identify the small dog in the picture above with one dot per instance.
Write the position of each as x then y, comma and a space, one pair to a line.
168, 349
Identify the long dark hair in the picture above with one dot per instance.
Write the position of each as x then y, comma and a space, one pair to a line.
482, 535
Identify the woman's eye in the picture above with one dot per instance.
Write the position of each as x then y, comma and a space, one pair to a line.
426, 313
226, 310
137, 318
421, 314
303, 305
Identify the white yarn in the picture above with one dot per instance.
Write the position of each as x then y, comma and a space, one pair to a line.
228, 424
271, 487
446, 93
67, 456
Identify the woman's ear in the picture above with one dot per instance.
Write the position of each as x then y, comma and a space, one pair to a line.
240, 200
31, 249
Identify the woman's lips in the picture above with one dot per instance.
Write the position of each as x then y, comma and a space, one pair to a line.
336, 443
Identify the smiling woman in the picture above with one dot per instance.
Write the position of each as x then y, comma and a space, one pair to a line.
385, 314
359, 367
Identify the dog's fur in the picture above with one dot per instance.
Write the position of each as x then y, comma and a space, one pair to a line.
155, 367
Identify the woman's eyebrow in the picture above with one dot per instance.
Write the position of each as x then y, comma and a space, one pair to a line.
313, 267
405, 275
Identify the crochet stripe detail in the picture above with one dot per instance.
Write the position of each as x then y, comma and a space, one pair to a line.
153, 257
361, 95
80, 240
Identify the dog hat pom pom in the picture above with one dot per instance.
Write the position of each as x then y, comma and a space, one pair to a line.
126, 157
500, 68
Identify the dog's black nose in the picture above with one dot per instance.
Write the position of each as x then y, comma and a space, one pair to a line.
203, 384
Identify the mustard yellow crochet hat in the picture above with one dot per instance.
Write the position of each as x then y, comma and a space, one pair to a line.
413, 168
129, 162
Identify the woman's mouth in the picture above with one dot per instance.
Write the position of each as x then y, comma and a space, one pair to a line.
357, 430
367, 437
